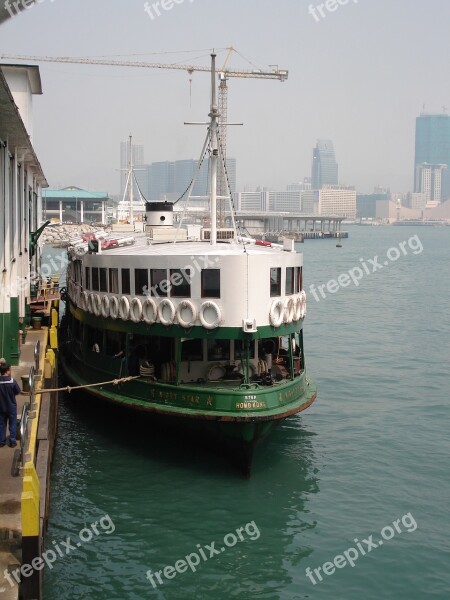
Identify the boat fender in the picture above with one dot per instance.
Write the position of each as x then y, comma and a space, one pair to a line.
84, 299
186, 305
288, 310
104, 308
149, 311
166, 305
124, 308
276, 313
113, 307
297, 308
136, 310
210, 307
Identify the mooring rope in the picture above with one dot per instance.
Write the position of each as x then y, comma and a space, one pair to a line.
88, 385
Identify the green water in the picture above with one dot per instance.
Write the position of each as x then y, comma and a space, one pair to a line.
373, 448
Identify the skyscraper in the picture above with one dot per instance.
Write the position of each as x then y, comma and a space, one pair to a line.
324, 167
433, 148
168, 180
429, 181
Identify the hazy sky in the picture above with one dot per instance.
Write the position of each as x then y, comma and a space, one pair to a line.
359, 76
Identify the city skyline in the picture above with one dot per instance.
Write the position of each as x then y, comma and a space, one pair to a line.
366, 104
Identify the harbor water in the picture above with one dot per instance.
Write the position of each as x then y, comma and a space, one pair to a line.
372, 451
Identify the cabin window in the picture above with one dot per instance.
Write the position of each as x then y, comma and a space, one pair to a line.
299, 279
275, 281
218, 349
114, 281
290, 276
103, 280
87, 278
94, 339
114, 342
159, 282
180, 280
211, 283
140, 281
95, 285
192, 350
240, 352
126, 281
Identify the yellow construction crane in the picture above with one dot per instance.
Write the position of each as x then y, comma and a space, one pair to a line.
225, 73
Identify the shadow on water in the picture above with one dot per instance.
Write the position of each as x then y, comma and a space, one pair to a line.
143, 435
166, 493
159, 440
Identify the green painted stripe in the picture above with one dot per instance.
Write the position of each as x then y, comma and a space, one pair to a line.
176, 331
195, 401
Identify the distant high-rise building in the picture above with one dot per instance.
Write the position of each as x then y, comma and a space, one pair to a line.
333, 200
302, 186
138, 161
169, 179
366, 204
324, 167
428, 181
433, 148
269, 201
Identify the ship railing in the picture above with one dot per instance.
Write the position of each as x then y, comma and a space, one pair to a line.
45, 288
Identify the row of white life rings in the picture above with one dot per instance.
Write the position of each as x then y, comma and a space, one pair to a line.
185, 314
293, 309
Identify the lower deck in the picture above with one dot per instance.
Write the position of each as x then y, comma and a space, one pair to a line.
219, 378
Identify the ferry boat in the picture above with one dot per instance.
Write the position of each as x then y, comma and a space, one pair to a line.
211, 329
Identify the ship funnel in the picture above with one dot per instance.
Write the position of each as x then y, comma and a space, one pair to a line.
159, 214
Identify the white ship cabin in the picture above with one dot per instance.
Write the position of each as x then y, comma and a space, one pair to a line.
191, 310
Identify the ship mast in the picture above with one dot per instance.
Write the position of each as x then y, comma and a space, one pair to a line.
214, 114
130, 180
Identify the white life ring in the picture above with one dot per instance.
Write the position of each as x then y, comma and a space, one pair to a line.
136, 310
96, 303
113, 307
183, 307
204, 315
84, 299
124, 308
289, 310
303, 297
298, 308
215, 372
104, 307
276, 313
149, 311
164, 306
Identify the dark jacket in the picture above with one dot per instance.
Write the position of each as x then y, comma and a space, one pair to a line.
8, 392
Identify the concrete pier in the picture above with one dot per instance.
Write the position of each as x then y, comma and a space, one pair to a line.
25, 470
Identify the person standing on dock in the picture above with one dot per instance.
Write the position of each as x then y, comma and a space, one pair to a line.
9, 389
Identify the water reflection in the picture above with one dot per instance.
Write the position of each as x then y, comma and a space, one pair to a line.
167, 495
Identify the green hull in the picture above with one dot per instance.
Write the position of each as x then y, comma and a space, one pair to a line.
234, 415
